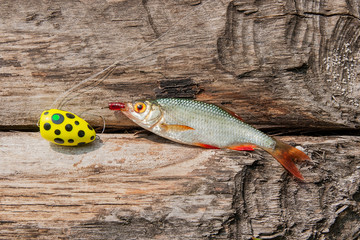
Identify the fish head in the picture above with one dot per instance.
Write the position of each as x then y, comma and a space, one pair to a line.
143, 112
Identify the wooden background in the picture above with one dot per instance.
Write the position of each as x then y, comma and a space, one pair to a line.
287, 67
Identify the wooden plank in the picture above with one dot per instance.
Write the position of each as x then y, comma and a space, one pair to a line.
122, 186
130, 187
276, 63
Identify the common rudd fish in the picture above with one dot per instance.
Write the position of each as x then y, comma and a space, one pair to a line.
206, 125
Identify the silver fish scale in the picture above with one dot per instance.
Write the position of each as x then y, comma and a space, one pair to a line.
212, 125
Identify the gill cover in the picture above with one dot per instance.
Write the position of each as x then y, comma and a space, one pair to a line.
145, 113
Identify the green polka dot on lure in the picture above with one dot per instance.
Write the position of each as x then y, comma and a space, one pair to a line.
65, 128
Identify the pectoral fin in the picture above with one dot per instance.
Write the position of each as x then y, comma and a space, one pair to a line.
178, 128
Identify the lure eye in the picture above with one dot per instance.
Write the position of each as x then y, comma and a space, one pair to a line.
139, 107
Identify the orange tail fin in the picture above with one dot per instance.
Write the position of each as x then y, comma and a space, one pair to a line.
286, 155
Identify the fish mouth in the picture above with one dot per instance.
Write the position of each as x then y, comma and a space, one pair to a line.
117, 106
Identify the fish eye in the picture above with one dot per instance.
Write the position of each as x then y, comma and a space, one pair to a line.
139, 107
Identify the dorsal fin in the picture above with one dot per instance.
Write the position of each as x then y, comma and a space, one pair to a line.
230, 112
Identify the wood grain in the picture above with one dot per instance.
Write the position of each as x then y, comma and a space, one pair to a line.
131, 187
279, 64
284, 65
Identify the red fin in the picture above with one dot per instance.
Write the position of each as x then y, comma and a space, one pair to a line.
205, 146
286, 155
179, 128
230, 112
243, 147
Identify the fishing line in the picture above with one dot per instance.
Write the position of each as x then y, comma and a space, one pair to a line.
104, 124
68, 129
107, 71
86, 112
94, 80
103, 74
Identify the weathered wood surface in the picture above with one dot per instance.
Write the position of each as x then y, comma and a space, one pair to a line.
276, 63
279, 64
126, 187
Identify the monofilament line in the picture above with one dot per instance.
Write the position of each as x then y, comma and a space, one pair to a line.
60, 100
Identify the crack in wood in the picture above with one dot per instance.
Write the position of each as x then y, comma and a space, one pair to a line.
183, 88
150, 18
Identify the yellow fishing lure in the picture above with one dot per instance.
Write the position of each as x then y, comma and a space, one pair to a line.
65, 128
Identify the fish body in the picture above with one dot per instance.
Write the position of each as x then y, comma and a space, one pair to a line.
210, 125
207, 125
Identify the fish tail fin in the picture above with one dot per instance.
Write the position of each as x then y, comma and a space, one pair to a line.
286, 155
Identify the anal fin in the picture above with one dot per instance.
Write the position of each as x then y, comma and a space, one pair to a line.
243, 147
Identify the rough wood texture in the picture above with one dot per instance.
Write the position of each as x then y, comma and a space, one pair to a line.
285, 64
277, 63
126, 187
